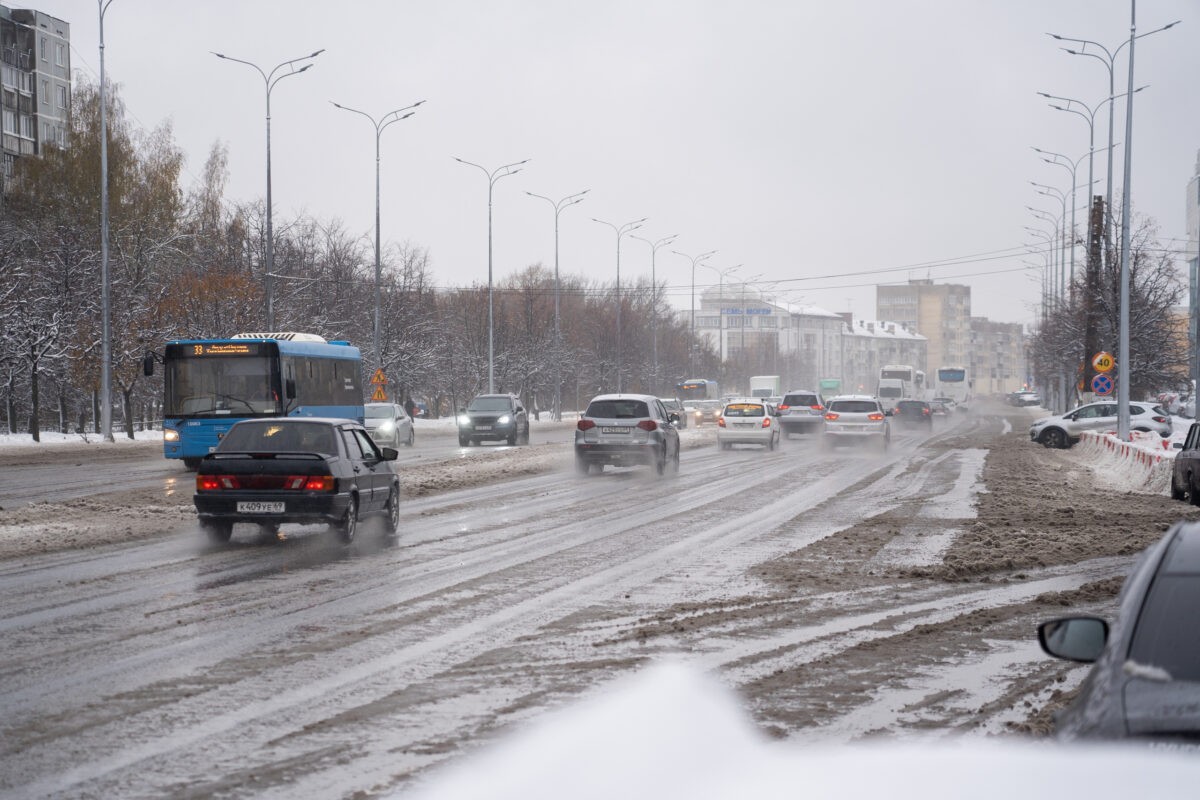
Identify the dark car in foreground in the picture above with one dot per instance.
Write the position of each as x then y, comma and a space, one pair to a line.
495, 418
1145, 682
302, 470
913, 414
624, 430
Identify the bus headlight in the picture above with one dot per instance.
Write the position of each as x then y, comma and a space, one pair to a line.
170, 435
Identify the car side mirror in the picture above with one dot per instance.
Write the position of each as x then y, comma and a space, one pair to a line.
389, 453
673, 417
1074, 638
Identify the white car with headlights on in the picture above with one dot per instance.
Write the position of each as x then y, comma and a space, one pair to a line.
389, 424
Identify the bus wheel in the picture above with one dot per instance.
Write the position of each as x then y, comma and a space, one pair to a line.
191, 464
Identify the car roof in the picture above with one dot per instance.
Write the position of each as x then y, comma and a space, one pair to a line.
644, 397
854, 397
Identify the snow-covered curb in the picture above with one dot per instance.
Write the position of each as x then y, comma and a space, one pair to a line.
1142, 464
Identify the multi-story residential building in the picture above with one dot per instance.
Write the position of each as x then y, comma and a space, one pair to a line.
868, 345
35, 84
941, 312
997, 356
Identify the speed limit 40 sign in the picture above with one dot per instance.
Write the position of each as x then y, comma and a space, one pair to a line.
1103, 362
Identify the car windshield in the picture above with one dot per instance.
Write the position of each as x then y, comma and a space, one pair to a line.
490, 404
379, 412
744, 410
618, 409
278, 436
853, 406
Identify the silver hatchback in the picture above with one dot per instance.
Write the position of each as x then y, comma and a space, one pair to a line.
856, 418
624, 430
1064, 430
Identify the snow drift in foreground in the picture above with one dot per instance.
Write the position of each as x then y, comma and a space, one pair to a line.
673, 732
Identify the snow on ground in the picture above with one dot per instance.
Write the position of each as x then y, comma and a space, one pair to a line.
670, 731
56, 438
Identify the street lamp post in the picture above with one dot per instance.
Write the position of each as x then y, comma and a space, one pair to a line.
1061, 196
105, 303
558, 206
379, 124
720, 298
270, 79
493, 176
692, 335
654, 245
1070, 166
620, 230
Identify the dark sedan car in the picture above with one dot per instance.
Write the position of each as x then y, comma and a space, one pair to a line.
302, 470
1185, 471
913, 413
493, 417
1145, 684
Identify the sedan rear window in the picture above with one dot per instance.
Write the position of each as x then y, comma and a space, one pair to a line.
279, 437
618, 409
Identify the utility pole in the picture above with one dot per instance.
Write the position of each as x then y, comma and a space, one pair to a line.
1091, 291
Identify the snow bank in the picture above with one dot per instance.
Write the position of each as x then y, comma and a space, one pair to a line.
1142, 464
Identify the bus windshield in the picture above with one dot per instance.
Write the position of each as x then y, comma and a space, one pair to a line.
221, 386
952, 375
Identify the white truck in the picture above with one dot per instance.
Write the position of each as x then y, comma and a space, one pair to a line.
765, 386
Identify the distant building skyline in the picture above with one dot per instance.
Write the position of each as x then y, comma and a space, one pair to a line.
35, 84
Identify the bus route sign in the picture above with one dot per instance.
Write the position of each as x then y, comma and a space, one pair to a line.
1103, 362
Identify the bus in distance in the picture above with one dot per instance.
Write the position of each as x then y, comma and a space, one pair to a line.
209, 384
896, 381
955, 383
697, 389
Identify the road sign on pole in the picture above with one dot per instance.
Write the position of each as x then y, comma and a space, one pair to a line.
1102, 384
1103, 362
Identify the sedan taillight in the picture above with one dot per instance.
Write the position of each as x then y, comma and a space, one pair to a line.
319, 483
214, 482
585, 424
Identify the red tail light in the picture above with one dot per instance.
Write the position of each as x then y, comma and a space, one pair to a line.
1159, 419
648, 425
831, 416
720, 422
214, 482
817, 407
783, 407
766, 422
585, 425
875, 417
319, 483
308, 483
925, 411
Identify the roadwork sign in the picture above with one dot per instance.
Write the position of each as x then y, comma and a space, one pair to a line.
378, 378
379, 396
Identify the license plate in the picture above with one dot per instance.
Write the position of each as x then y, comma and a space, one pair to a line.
621, 429
253, 507
745, 424
483, 427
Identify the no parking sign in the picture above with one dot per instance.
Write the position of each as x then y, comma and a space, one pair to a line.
1102, 384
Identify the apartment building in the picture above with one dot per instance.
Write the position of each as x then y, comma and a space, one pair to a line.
997, 361
35, 84
940, 312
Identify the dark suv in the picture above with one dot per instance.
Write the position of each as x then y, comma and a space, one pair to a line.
915, 413
493, 417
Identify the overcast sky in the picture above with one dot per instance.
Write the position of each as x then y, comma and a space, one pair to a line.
825, 146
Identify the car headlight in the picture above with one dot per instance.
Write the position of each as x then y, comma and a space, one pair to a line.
504, 420
464, 420
170, 435
387, 425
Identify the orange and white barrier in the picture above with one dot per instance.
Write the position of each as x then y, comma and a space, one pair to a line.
1143, 463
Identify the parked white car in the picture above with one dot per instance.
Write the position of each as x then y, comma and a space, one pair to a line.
1064, 430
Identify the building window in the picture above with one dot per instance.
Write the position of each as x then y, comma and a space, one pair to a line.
45, 49
10, 121
62, 97
708, 322
28, 130
45, 93
60, 55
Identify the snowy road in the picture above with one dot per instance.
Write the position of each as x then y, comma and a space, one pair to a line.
302, 668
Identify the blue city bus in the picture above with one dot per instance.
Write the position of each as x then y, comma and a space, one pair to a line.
697, 389
209, 384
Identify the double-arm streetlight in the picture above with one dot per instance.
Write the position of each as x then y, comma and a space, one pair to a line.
380, 124
558, 206
270, 79
493, 176
1070, 166
654, 245
720, 299
1061, 197
692, 337
620, 230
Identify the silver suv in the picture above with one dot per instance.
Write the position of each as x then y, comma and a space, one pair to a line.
801, 411
624, 430
1064, 430
855, 418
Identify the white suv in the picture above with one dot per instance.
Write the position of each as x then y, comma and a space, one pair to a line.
1063, 430
854, 418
